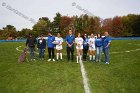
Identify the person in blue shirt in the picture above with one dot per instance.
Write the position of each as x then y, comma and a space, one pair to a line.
106, 47
51, 46
41, 45
99, 44
70, 45
85, 47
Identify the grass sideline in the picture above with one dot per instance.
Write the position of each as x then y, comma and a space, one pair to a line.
120, 76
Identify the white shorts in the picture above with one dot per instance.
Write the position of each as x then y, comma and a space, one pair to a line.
92, 48
77, 47
59, 47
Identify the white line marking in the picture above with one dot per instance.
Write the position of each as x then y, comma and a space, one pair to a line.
110, 52
85, 79
127, 51
17, 48
83, 71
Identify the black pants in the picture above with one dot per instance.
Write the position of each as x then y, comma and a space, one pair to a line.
85, 51
51, 52
70, 51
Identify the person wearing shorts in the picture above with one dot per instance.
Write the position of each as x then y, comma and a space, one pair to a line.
92, 49
59, 48
79, 47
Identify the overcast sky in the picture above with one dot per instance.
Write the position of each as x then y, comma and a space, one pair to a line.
28, 11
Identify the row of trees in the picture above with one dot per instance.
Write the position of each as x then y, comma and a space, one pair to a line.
117, 27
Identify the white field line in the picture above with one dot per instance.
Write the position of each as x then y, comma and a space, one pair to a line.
83, 71
128, 51
85, 79
110, 52
17, 48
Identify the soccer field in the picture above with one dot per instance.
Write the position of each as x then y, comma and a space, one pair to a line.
120, 76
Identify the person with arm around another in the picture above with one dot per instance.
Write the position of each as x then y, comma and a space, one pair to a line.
106, 47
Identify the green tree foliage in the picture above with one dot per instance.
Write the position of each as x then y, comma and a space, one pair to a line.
41, 27
55, 28
8, 31
117, 26
24, 32
65, 22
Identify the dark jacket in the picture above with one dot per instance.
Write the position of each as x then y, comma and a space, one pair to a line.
41, 45
31, 42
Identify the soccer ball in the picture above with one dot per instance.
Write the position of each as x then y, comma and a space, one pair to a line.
55, 42
78, 43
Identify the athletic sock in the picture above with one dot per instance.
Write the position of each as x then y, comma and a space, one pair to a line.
57, 55
77, 59
61, 55
90, 57
80, 58
93, 57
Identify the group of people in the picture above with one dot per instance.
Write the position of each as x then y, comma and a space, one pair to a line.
95, 46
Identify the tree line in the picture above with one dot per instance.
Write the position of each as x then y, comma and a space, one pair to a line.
118, 26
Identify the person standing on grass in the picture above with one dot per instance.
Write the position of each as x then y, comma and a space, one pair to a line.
70, 45
31, 43
79, 47
85, 47
59, 48
51, 46
92, 48
41, 45
99, 44
106, 47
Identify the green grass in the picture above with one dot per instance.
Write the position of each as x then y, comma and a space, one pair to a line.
120, 76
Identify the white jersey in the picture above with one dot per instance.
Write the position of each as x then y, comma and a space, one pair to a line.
79, 42
59, 42
91, 43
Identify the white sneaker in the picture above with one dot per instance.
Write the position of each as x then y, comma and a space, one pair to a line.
49, 59
106, 62
34, 59
53, 60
